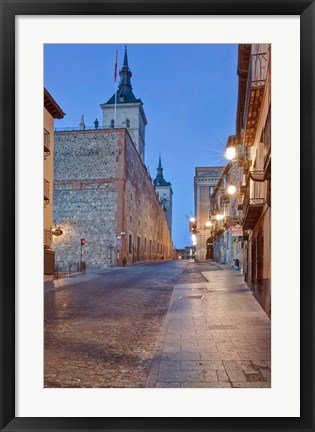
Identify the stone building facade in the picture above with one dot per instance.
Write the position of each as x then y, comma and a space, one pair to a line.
254, 127
205, 181
104, 194
52, 111
226, 231
241, 226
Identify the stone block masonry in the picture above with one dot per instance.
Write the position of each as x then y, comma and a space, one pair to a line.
103, 193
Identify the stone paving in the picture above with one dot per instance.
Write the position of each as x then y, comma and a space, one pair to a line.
101, 328
215, 334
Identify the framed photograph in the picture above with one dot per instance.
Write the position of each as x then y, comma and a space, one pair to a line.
235, 354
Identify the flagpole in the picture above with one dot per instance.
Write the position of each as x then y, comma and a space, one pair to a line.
115, 117
115, 75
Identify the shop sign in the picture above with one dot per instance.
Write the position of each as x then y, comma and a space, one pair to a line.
236, 231
118, 243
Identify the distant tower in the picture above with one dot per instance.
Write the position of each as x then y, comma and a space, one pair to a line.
165, 192
82, 124
129, 111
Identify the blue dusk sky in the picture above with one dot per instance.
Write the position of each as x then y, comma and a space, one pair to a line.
189, 94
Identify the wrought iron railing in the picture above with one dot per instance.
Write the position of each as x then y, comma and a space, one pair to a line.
255, 85
267, 140
63, 269
89, 128
251, 202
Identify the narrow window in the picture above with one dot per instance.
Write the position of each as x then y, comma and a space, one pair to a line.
128, 123
112, 123
130, 244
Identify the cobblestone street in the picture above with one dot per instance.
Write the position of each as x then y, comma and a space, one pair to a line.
168, 324
101, 329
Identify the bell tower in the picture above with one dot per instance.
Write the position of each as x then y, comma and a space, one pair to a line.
129, 109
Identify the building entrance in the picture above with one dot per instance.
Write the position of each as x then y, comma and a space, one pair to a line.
209, 253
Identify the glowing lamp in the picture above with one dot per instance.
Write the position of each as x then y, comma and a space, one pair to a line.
230, 153
231, 189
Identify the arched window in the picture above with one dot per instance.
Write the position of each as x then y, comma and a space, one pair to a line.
112, 123
128, 123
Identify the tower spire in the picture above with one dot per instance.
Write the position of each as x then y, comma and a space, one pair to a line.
160, 164
82, 124
125, 64
159, 179
125, 76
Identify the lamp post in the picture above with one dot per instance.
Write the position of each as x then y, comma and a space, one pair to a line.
82, 243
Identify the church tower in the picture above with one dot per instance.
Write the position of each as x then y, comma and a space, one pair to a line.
129, 110
164, 189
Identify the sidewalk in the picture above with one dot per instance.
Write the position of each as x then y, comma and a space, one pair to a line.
75, 278
215, 334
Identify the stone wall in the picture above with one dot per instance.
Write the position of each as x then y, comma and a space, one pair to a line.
104, 194
144, 219
134, 113
84, 196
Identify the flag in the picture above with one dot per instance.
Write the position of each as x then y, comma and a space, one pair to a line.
115, 70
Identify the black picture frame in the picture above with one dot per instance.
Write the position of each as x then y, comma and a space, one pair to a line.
9, 10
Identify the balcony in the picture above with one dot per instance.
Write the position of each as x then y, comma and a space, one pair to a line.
252, 209
254, 95
46, 192
257, 175
46, 143
267, 147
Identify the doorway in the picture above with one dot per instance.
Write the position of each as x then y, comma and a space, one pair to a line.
209, 253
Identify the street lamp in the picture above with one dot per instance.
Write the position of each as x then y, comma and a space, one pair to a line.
56, 231
230, 153
82, 243
192, 225
231, 189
